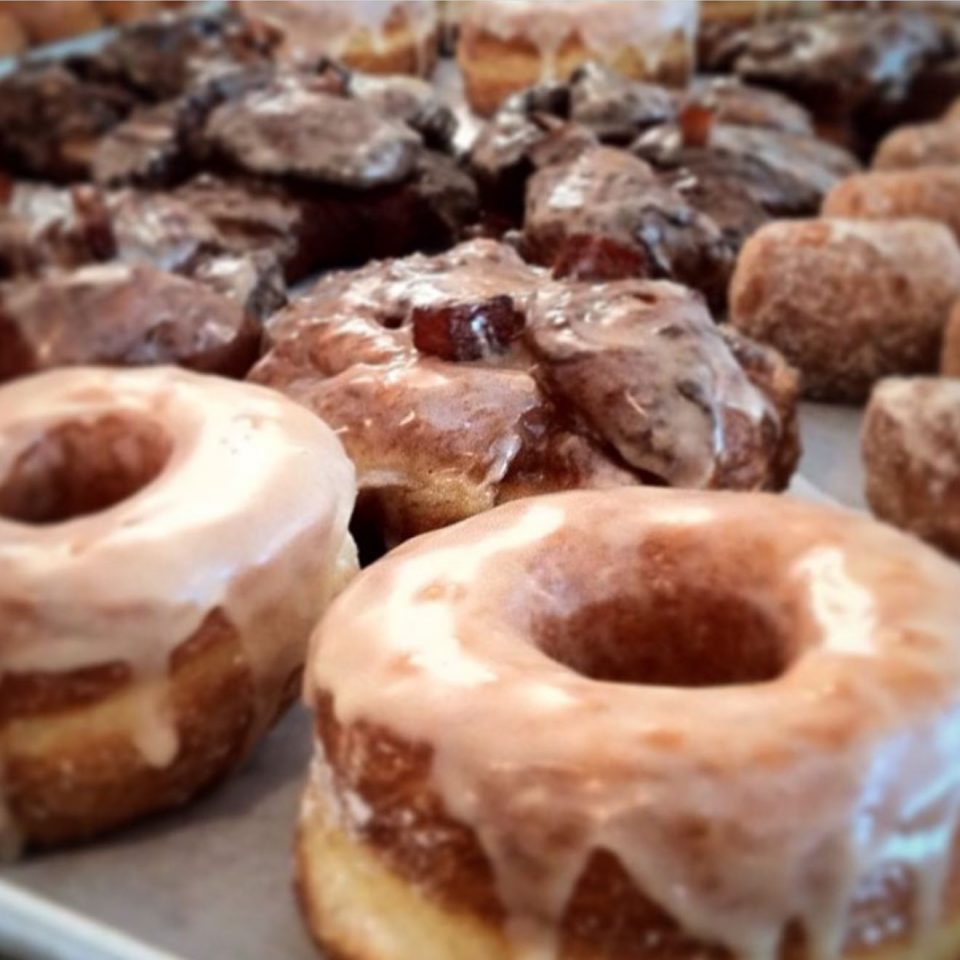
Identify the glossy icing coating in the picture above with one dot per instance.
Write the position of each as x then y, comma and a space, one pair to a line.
387, 353
604, 28
738, 807
247, 515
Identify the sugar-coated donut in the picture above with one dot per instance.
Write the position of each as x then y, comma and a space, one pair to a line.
508, 45
911, 457
919, 145
167, 543
639, 725
932, 193
376, 36
848, 301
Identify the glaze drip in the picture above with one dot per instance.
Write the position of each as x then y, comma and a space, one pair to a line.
737, 808
246, 519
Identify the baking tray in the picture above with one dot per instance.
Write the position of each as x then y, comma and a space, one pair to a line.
212, 882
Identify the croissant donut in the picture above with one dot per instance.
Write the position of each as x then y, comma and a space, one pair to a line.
639, 724
167, 542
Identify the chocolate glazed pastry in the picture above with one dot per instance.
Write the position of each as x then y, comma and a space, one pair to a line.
166, 56
785, 173
43, 226
735, 153
51, 120
852, 70
171, 233
606, 214
467, 379
121, 315
369, 186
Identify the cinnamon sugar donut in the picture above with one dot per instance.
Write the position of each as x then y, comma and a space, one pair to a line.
464, 380
911, 457
507, 45
919, 145
639, 725
932, 193
167, 542
376, 36
848, 301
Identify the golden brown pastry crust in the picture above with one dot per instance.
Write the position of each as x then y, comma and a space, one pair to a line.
414, 840
495, 65
70, 768
401, 39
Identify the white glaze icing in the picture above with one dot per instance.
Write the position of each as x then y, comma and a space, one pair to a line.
313, 28
809, 784
604, 28
247, 517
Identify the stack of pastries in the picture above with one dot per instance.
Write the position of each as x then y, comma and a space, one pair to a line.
603, 692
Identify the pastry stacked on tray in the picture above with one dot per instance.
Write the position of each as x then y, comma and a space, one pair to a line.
614, 699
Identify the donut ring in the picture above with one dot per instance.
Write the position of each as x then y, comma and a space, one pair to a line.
167, 542
498, 770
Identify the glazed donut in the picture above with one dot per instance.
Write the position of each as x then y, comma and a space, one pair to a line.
375, 36
911, 457
919, 145
931, 193
508, 45
638, 725
167, 542
848, 301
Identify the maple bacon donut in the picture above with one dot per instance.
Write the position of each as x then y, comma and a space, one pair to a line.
167, 543
736, 737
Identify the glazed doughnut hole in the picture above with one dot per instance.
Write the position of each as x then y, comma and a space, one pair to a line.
673, 619
83, 467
